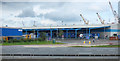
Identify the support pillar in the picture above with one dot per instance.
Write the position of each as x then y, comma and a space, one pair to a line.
37, 33
57, 33
34, 33
26, 32
75, 33
67, 34
51, 34
89, 33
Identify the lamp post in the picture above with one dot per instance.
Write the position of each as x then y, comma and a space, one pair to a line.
62, 22
104, 32
57, 33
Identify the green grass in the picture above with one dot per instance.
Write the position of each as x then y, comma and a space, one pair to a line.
0, 43
99, 46
32, 43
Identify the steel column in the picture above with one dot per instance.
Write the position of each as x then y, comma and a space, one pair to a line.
66, 33
26, 32
75, 33
51, 33
37, 33
89, 33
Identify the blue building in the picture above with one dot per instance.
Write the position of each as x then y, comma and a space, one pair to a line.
10, 33
73, 31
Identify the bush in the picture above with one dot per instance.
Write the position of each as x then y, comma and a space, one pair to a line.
4, 40
39, 39
30, 40
60, 33
22, 40
15, 40
12, 40
25, 40
43, 36
1, 41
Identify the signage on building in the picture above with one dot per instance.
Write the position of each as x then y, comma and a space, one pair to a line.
19, 29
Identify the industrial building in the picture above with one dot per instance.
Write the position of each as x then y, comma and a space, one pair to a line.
71, 31
7, 33
112, 31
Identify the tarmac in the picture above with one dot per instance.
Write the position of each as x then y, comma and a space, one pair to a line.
64, 49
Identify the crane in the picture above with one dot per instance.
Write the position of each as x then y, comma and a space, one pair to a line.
102, 21
86, 22
114, 12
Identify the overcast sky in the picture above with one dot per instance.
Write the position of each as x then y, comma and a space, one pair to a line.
53, 13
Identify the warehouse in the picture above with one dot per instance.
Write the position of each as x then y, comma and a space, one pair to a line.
7, 33
71, 31
74, 31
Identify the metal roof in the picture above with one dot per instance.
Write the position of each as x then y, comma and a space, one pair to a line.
12, 27
67, 26
64, 26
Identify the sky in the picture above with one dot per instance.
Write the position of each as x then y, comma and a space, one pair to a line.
15, 14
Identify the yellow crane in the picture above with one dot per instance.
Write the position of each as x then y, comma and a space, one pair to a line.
102, 21
86, 22
114, 12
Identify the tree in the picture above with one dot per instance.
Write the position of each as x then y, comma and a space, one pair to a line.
43, 36
60, 33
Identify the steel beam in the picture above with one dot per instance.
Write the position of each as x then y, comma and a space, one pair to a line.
75, 33
51, 34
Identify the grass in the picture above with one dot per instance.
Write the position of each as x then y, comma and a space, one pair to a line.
32, 43
99, 46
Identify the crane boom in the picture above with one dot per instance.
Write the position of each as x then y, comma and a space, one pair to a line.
86, 22
112, 8
102, 21
114, 12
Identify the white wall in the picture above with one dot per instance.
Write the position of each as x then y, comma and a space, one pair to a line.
115, 26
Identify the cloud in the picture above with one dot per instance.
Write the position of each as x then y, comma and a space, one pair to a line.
39, 11
59, 0
46, 13
99, 7
27, 13
35, 11
48, 22
95, 8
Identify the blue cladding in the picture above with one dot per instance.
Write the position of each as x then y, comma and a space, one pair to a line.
10, 32
107, 30
0, 32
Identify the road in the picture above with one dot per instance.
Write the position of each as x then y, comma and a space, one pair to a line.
100, 41
57, 50
76, 51
60, 52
